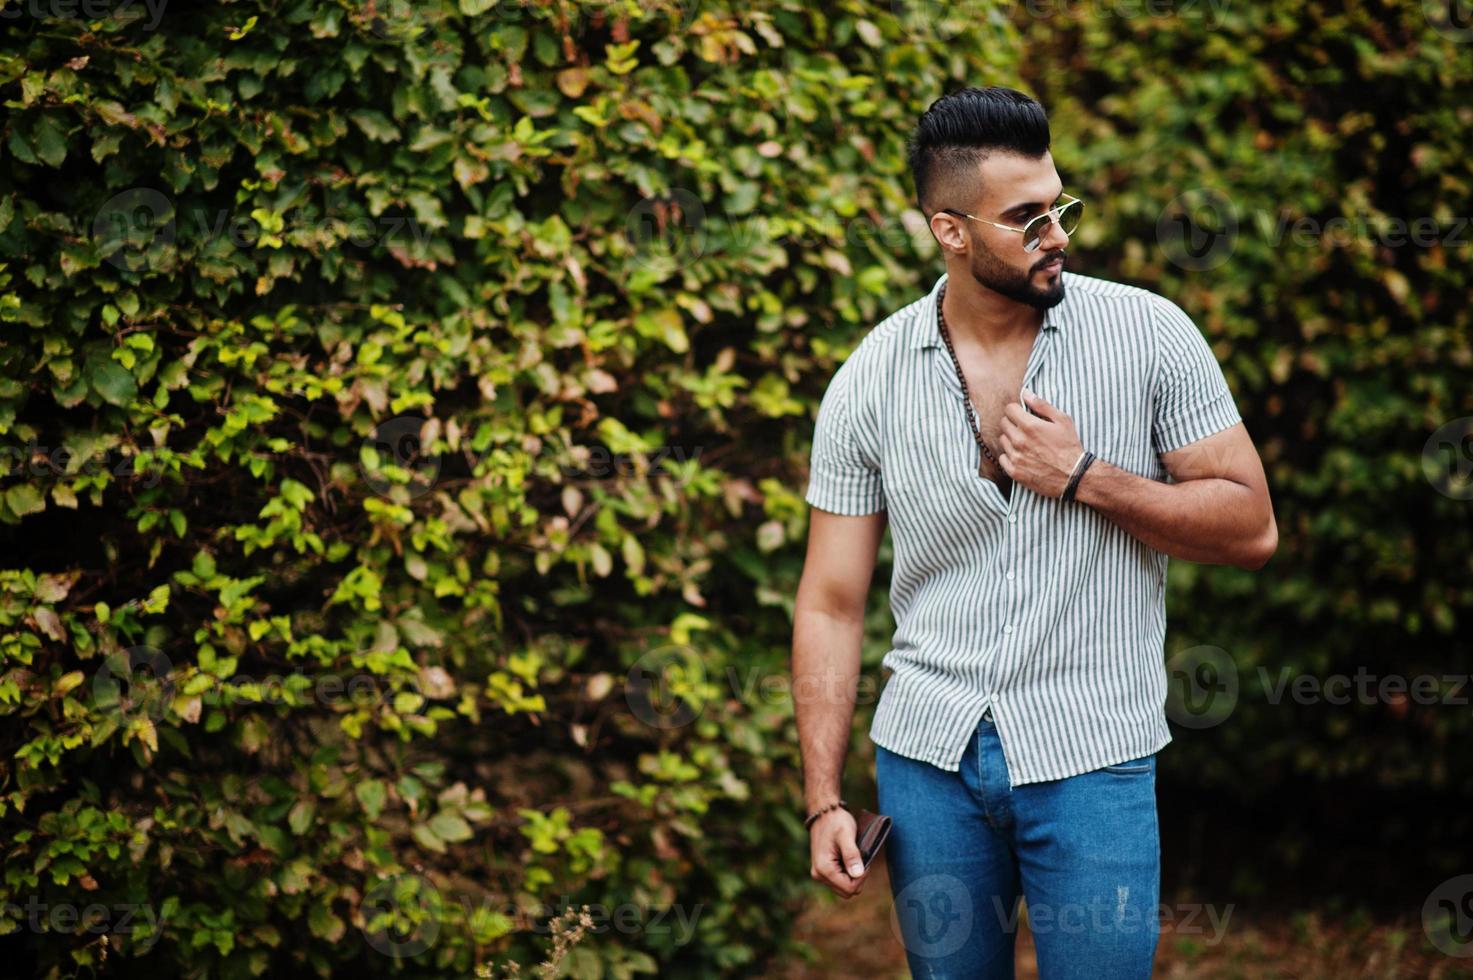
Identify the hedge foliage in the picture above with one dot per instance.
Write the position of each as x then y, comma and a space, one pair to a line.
389, 390
387, 385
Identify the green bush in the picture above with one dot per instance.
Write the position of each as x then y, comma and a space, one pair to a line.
389, 389
385, 386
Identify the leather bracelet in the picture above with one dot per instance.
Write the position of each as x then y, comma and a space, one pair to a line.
1068, 493
1077, 460
807, 824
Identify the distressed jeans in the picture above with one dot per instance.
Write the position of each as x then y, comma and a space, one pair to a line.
1084, 852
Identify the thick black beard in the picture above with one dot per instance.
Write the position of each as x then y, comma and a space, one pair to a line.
1015, 285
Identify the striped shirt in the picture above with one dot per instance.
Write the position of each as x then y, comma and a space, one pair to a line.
1045, 611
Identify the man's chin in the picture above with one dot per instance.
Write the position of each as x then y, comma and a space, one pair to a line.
1025, 292
1049, 300
1052, 293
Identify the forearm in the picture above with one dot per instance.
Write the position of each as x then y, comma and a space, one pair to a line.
1213, 521
825, 678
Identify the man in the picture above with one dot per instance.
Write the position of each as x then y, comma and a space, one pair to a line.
1016, 736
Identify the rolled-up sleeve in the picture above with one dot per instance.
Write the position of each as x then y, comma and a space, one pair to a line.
843, 474
1190, 396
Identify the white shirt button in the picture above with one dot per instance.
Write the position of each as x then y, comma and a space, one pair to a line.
1012, 518
1010, 574
1008, 628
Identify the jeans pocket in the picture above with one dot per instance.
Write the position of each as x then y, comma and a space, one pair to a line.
1133, 767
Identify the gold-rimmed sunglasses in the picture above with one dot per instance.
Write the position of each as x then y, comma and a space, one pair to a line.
1066, 212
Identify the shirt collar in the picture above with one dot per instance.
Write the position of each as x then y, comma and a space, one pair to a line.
926, 332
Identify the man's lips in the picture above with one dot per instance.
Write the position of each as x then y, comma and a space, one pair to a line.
1053, 266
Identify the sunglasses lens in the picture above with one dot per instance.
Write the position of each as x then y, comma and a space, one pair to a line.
1070, 215
1033, 232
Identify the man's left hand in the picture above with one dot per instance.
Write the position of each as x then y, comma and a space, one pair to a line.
1039, 450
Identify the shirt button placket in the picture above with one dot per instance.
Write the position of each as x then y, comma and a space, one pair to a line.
1011, 575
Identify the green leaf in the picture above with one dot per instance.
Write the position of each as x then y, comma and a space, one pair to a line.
372, 794
664, 325
113, 382
450, 827
50, 141
24, 499
427, 839
300, 817
376, 125
112, 113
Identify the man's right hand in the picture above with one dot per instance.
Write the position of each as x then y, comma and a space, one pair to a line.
833, 850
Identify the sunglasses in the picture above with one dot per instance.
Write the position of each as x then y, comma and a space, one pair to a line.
1067, 213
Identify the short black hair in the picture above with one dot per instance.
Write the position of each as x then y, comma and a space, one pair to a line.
960, 130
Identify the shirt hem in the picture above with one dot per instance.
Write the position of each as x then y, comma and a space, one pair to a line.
1114, 758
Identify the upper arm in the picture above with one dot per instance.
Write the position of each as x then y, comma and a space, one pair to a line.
844, 468
1196, 426
1226, 455
840, 562
1230, 455
1190, 398
846, 491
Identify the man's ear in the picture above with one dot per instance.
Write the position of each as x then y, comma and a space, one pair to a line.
948, 232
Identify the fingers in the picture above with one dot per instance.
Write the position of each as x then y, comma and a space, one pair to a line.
852, 861
839, 881
1037, 405
1004, 459
836, 857
1015, 413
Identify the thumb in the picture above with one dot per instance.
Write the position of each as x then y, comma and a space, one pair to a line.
849, 851
1037, 405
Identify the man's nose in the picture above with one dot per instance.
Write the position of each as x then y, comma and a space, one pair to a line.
1054, 238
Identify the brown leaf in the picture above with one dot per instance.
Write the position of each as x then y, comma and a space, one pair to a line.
48, 622
572, 81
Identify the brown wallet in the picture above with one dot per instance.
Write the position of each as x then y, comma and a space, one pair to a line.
871, 829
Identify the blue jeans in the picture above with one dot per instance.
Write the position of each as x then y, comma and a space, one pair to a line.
1084, 852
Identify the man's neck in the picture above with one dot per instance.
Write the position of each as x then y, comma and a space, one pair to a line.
981, 317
